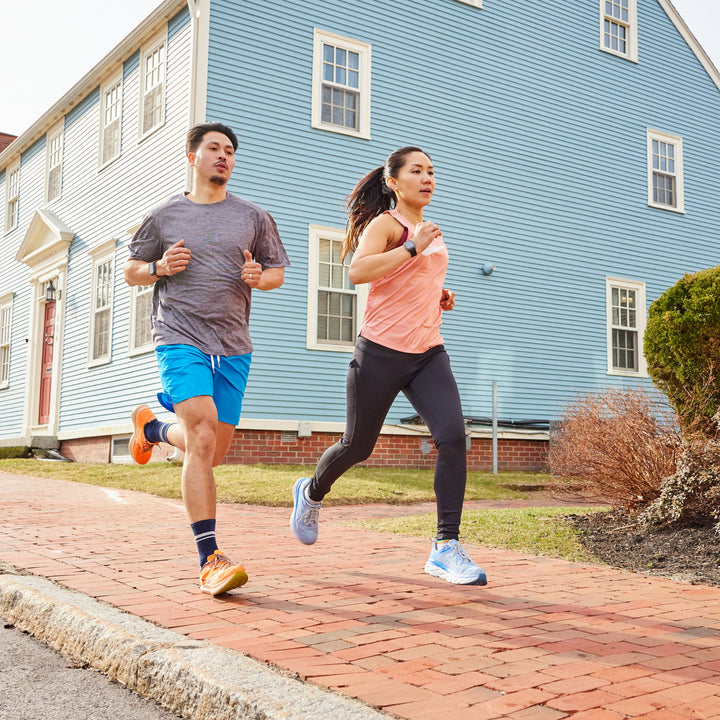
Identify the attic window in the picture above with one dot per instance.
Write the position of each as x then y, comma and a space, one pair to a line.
618, 28
152, 114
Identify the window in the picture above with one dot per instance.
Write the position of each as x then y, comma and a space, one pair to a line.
626, 318
110, 117
618, 28
665, 171
141, 329
5, 320
12, 192
153, 88
335, 305
341, 85
100, 324
53, 187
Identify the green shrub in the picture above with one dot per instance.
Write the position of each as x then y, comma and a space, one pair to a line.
682, 348
14, 452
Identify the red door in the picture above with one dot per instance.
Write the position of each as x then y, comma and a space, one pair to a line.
46, 364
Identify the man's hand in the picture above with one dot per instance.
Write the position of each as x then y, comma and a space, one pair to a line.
174, 260
251, 271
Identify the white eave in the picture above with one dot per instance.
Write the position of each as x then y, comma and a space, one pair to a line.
89, 82
691, 40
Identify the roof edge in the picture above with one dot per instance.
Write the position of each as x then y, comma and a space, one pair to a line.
89, 81
691, 40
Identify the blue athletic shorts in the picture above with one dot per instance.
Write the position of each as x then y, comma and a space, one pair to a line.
187, 372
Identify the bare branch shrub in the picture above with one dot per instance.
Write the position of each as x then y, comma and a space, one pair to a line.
620, 444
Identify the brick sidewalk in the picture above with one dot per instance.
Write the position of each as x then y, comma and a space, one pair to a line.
545, 639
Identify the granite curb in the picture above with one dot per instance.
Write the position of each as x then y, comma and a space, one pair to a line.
191, 678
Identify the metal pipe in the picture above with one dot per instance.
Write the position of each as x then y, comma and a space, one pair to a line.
494, 428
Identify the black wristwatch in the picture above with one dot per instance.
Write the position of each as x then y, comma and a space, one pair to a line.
152, 269
409, 245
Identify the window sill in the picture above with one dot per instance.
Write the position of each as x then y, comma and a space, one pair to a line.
622, 56
669, 208
144, 350
341, 131
331, 347
628, 373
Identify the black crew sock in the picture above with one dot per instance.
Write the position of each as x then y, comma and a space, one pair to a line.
156, 431
204, 532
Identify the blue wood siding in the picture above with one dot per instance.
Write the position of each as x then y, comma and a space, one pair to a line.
539, 143
82, 107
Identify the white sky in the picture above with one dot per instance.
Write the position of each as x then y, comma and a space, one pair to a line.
46, 46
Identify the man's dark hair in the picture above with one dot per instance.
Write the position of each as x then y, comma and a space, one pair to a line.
198, 132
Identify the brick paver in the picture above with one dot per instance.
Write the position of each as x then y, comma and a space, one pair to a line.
546, 639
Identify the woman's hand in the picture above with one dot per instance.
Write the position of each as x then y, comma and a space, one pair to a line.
425, 233
447, 300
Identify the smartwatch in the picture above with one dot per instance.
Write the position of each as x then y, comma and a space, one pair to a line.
152, 269
409, 245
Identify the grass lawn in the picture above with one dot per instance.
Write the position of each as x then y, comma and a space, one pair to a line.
272, 484
539, 530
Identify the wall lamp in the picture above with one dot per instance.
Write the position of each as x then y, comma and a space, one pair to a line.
50, 291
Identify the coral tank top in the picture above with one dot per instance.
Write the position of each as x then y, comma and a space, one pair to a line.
403, 308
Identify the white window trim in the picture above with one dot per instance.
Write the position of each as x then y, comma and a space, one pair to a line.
132, 348
53, 135
641, 316
6, 301
101, 254
105, 88
15, 168
364, 50
632, 39
474, 3
149, 49
679, 173
315, 233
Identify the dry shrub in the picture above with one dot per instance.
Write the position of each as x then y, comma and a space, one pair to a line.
691, 496
620, 444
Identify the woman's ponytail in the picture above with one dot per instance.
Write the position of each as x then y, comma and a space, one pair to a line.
370, 197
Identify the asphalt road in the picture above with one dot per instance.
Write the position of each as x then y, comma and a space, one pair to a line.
37, 683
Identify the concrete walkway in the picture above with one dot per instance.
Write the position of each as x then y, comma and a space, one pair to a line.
356, 615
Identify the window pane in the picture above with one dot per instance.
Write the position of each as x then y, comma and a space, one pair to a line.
324, 270
328, 53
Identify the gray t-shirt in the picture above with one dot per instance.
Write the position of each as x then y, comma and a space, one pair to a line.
207, 305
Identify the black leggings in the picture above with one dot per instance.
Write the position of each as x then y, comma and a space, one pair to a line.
376, 376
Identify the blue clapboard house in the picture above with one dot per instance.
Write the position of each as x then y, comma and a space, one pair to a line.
577, 154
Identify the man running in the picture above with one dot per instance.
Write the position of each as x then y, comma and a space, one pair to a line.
204, 251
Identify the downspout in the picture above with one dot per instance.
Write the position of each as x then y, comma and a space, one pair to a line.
200, 32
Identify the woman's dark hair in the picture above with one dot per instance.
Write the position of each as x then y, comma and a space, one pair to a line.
372, 197
198, 132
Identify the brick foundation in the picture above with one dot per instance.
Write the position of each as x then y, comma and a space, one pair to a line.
275, 448
411, 451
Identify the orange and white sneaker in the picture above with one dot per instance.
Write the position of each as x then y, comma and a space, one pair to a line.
140, 447
218, 574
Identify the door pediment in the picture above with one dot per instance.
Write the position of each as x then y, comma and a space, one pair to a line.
47, 241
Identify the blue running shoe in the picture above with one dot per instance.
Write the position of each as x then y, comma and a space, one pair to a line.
304, 518
452, 563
